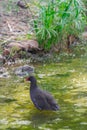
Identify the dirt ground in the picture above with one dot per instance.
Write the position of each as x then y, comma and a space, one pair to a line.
14, 21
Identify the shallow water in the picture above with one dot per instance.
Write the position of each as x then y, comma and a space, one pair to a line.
66, 81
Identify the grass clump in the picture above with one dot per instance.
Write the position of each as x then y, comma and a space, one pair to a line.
58, 19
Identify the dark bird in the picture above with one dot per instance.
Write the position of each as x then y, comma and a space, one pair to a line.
41, 99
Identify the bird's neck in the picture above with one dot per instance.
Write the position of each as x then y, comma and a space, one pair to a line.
33, 85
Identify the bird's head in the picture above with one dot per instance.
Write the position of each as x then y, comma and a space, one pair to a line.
31, 79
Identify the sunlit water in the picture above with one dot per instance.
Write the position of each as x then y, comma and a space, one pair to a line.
66, 81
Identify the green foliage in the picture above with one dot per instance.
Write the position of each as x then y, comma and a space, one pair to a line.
85, 2
45, 27
57, 19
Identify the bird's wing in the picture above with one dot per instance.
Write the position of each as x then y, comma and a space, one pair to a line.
51, 101
39, 101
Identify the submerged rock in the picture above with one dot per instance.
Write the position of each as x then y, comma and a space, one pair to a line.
24, 70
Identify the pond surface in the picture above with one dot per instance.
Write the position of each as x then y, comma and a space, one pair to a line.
66, 81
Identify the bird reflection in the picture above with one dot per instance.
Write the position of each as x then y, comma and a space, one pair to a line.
42, 117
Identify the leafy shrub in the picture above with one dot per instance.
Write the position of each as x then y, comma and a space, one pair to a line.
58, 19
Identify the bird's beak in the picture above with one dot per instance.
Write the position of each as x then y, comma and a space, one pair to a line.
27, 79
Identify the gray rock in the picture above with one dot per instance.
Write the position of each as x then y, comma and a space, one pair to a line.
24, 70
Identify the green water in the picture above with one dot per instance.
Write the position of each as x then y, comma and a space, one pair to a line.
66, 81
